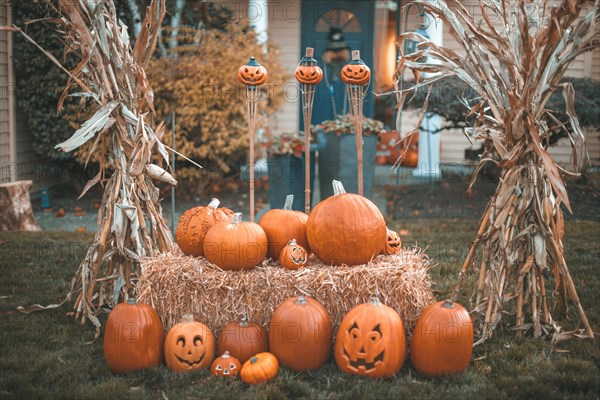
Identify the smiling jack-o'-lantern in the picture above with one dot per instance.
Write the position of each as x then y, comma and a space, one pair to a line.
293, 256
226, 366
393, 243
356, 72
371, 341
308, 71
252, 74
189, 345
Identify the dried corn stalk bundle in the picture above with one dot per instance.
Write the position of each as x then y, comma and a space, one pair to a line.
515, 57
111, 74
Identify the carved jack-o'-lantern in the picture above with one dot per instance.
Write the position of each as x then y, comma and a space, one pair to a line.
189, 345
293, 256
226, 366
393, 243
252, 74
308, 72
370, 341
356, 72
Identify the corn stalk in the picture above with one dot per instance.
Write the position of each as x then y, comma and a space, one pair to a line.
514, 58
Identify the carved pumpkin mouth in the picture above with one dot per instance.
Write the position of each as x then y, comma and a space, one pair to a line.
361, 362
190, 364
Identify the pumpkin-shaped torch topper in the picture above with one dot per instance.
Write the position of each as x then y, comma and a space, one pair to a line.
189, 345
252, 73
293, 256
308, 71
356, 72
226, 366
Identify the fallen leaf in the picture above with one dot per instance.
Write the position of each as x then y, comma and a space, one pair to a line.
80, 229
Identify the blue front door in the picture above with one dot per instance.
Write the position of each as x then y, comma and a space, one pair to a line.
355, 20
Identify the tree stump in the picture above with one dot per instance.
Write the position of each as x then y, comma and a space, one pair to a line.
15, 203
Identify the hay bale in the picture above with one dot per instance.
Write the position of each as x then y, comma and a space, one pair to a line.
175, 284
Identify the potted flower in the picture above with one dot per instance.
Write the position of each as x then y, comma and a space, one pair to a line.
337, 153
286, 168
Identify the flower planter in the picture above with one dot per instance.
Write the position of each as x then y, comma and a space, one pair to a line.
286, 176
337, 160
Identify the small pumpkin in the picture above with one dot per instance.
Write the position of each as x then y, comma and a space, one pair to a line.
195, 222
134, 337
283, 225
308, 72
235, 245
261, 367
252, 73
300, 333
293, 256
442, 342
356, 72
346, 228
393, 243
370, 341
189, 345
243, 339
226, 366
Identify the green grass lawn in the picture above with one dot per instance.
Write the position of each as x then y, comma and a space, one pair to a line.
45, 355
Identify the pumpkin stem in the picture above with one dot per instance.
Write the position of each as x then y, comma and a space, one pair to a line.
301, 300
448, 304
187, 318
292, 242
244, 321
253, 360
289, 200
374, 301
214, 203
226, 354
131, 300
237, 218
338, 188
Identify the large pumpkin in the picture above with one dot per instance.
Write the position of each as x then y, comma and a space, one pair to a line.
195, 222
442, 342
346, 229
283, 225
300, 334
133, 338
235, 245
189, 345
370, 341
243, 339
261, 367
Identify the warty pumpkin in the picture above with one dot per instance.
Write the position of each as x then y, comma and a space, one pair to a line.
371, 341
442, 342
195, 222
346, 229
134, 337
189, 345
283, 225
261, 367
300, 333
235, 245
243, 339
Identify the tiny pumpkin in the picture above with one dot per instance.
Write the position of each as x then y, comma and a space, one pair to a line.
243, 339
235, 245
134, 337
442, 342
308, 72
189, 345
356, 72
252, 73
261, 367
195, 222
300, 333
293, 256
226, 366
393, 243
370, 341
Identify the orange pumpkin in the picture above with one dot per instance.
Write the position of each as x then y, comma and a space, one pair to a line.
356, 72
283, 225
194, 224
261, 367
442, 342
370, 341
293, 256
308, 72
235, 245
252, 74
243, 339
300, 334
393, 243
346, 229
133, 338
189, 345
226, 366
